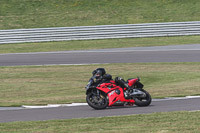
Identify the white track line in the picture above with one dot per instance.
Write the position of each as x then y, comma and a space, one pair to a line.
83, 104
188, 47
101, 51
55, 105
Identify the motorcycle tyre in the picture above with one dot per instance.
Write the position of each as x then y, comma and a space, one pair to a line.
143, 103
95, 106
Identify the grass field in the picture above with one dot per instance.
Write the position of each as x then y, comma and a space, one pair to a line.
16, 14
37, 85
173, 122
97, 44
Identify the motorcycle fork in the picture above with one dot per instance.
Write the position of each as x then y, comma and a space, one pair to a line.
98, 93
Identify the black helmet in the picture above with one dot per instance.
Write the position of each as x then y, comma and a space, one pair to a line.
99, 71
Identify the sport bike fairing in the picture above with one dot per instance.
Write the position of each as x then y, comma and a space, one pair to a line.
115, 93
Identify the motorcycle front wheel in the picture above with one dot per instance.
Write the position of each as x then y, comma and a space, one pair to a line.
97, 101
141, 102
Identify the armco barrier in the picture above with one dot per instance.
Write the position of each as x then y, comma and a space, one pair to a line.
99, 32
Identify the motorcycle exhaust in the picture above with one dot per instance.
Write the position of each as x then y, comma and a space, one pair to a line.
138, 93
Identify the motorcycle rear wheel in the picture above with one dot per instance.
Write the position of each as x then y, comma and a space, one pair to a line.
97, 101
141, 102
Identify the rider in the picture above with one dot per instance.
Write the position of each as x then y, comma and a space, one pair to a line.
102, 77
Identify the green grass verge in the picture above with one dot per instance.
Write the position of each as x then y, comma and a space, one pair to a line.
16, 14
97, 44
36, 85
173, 122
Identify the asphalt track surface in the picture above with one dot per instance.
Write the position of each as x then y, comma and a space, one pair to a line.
86, 111
179, 53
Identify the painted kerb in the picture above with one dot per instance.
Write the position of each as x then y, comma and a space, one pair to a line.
100, 32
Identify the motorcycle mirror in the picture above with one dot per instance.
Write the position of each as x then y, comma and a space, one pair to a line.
94, 72
138, 78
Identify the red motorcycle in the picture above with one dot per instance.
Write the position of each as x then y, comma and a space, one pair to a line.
111, 94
